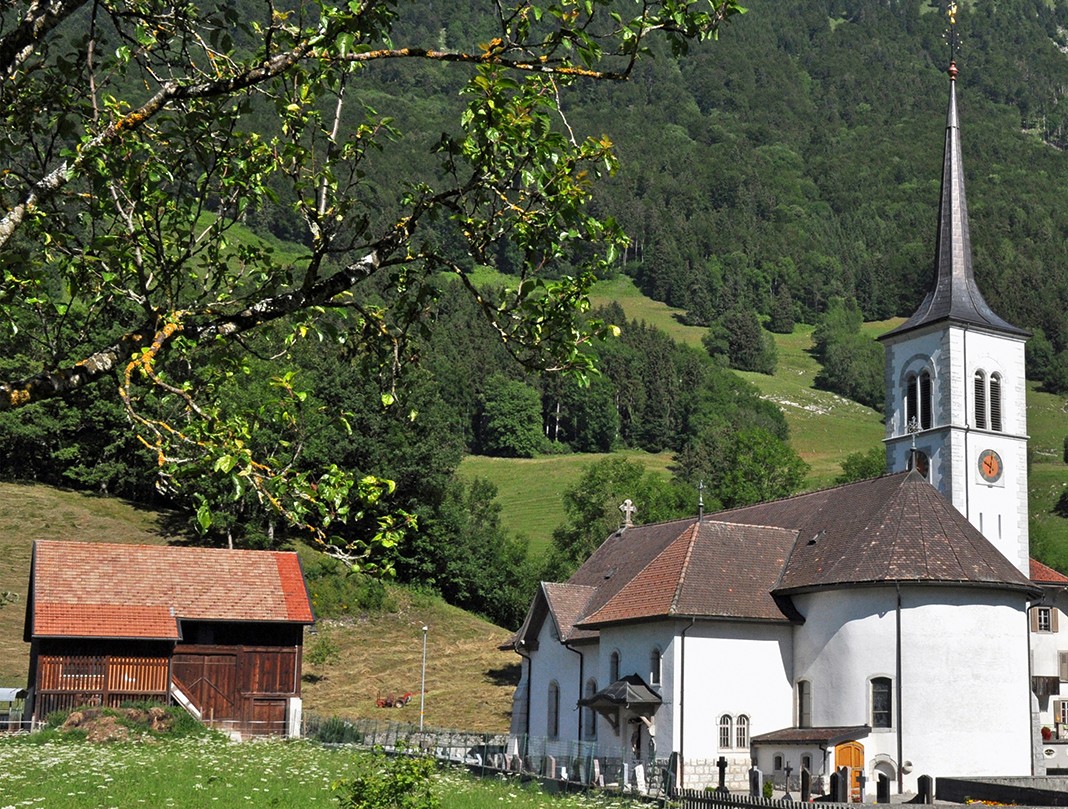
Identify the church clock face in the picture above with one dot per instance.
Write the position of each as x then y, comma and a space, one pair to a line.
990, 466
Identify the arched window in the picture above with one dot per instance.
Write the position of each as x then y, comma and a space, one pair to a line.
613, 667
919, 406
654, 666
980, 400
806, 762
882, 702
995, 402
777, 762
589, 716
741, 732
926, 404
552, 727
726, 727
912, 402
804, 704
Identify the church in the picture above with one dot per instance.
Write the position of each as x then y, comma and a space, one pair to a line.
881, 625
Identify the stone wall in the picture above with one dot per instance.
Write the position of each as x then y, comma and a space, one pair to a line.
701, 773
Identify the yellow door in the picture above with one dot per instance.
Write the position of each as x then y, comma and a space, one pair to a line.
851, 754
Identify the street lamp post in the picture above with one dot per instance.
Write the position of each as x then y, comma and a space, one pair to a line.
422, 684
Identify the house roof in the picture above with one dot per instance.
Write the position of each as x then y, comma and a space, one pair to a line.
743, 564
1043, 574
956, 296
103, 590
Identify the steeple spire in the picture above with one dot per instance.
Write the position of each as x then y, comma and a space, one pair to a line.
955, 296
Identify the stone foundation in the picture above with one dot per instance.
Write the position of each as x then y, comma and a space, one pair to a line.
701, 773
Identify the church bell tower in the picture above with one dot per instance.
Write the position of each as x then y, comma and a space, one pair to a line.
955, 386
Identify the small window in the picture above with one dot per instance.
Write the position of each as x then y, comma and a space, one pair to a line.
1060, 711
882, 698
552, 728
1044, 619
777, 762
589, 715
725, 732
806, 762
980, 400
804, 704
654, 667
1062, 665
995, 402
741, 732
613, 667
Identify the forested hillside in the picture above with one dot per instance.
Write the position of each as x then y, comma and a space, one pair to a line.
786, 172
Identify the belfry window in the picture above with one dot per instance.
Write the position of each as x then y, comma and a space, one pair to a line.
995, 402
919, 407
980, 400
925, 400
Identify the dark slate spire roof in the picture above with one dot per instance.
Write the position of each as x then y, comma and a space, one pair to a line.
955, 296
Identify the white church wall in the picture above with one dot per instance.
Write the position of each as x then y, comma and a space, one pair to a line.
553, 662
635, 644
733, 669
964, 685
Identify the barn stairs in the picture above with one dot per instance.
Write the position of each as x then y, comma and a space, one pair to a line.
179, 696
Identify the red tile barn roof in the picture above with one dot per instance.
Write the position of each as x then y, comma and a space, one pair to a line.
102, 590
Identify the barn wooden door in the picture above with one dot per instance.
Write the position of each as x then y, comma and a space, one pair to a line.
268, 717
851, 754
210, 681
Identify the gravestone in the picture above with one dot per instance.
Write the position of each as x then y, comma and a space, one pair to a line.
517, 764
882, 788
639, 778
925, 789
756, 783
862, 780
597, 772
580, 768
806, 785
721, 763
834, 787
845, 781
550, 767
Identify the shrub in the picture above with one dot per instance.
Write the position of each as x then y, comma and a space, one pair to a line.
400, 782
338, 731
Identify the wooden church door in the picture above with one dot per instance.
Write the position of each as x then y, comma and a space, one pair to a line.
851, 754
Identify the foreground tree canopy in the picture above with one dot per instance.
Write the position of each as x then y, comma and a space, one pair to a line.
139, 136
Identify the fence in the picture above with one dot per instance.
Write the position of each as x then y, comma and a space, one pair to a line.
574, 764
704, 799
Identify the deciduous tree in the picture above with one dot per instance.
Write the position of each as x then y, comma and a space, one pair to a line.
134, 144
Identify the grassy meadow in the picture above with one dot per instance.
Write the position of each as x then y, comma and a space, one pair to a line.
208, 771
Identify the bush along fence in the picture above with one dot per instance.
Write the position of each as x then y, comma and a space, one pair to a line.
572, 765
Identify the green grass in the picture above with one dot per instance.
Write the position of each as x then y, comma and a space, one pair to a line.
529, 489
212, 772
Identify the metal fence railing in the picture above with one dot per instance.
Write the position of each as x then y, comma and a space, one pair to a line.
579, 764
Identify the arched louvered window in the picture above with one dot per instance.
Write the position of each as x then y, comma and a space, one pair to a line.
912, 402
741, 732
926, 404
552, 727
980, 400
995, 402
589, 715
726, 728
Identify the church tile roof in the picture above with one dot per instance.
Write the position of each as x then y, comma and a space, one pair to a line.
826, 736
103, 590
712, 569
743, 564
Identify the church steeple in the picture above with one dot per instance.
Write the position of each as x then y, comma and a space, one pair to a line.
955, 296
955, 386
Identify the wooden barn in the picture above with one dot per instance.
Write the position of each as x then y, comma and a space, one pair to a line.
219, 632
